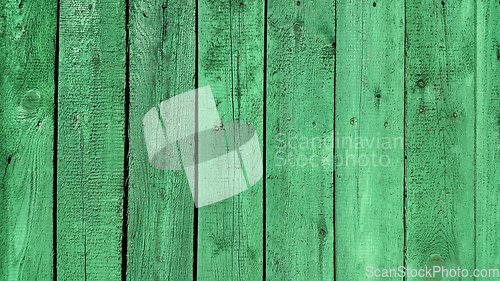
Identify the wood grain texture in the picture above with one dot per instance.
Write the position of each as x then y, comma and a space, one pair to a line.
488, 136
439, 135
409, 88
369, 106
231, 61
90, 156
27, 59
299, 149
160, 214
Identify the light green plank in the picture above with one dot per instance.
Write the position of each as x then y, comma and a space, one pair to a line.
440, 134
231, 59
90, 152
299, 148
369, 132
487, 137
27, 58
160, 214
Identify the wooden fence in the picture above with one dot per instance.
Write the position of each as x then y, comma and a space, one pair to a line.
378, 125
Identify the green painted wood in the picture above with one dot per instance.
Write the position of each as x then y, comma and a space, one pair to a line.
299, 148
91, 124
439, 134
161, 208
487, 135
231, 61
321, 58
27, 59
369, 131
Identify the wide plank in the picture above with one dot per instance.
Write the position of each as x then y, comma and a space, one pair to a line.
369, 130
161, 209
27, 86
439, 135
231, 62
91, 140
299, 150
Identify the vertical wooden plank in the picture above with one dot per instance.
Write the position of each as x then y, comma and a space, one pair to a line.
440, 115
160, 214
488, 137
231, 57
90, 152
299, 146
369, 151
27, 59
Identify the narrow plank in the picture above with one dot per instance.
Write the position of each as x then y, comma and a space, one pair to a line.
90, 155
488, 137
231, 61
369, 171
299, 148
440, 115
27, 65
160, 214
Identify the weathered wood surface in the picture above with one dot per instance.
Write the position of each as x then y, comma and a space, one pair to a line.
312, 77
90, 142
299, 119
27, 67
161, 209
487, 135
369, 127
231, 61
439, 135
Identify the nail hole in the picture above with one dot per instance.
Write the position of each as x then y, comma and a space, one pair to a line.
421, 110
314, 124
374, 4
39, 123
144, 15
385, 124
352, 122
421, 83
21, 6
442, 3
298, 3
378, 96
455, 115
90, 6
241, 5
289, 118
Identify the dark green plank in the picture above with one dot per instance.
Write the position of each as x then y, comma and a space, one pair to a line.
162, 65
27, 57
369, 106
231, 59
299, 148
487, 137
440, 117
90, 154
